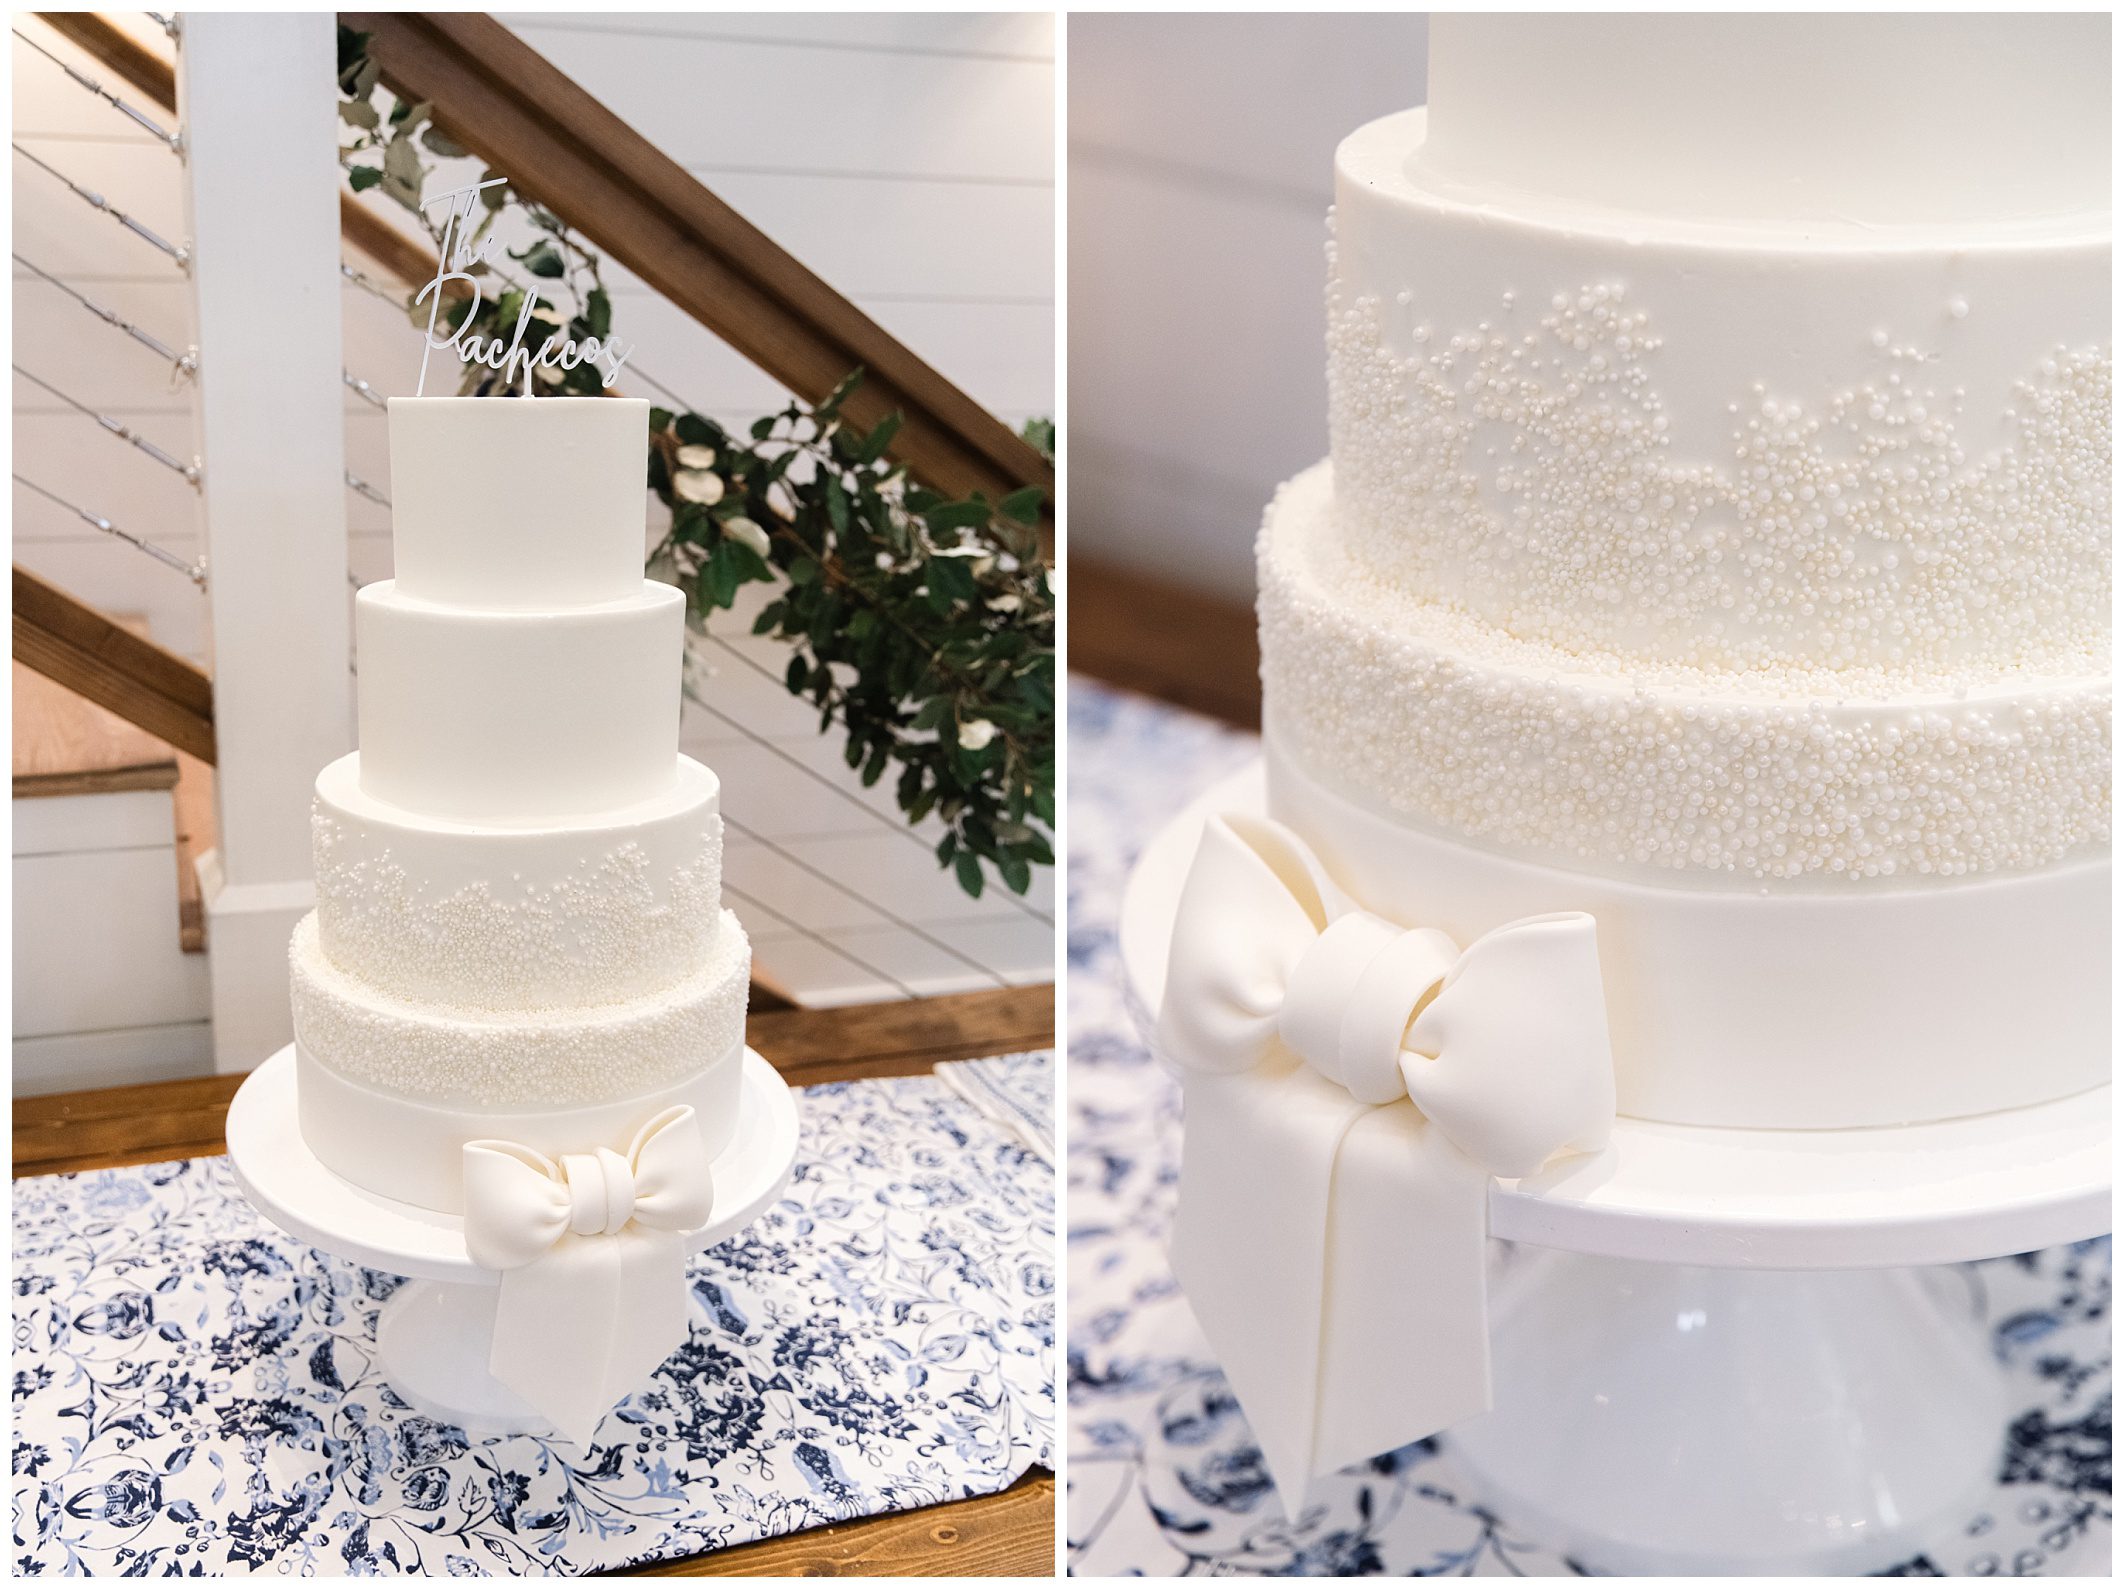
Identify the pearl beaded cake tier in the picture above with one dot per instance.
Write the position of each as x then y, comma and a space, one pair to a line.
506, 918
518, 718
1847, 778
1723, 442
462, 1055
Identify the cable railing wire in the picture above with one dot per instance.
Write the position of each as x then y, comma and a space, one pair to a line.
185, 364
118, 428
195, 571
362, 389
362, 488
96, 201
172, 141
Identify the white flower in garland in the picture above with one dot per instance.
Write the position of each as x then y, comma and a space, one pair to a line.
696, 457
975, 735
698, 485
747, 534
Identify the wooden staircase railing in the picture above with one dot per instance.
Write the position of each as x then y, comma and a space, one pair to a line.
506, 103
155, 77
71, 643
561, 148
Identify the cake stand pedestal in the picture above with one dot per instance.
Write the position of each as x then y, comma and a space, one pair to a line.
1716, 1350
434, 1335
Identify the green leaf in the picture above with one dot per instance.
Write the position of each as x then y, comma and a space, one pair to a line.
1024, 504
836, 504
958, 515
363, 178
797, 675
353, 54
598, 311
879, 439
402, 162
1017, 876
442, 145
695, 431
969, 871
839, 394
542, 259
358, 113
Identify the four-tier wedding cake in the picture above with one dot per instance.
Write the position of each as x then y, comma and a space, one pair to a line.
519, 932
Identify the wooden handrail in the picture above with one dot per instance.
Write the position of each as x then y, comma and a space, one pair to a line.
72, 644
150, 74
510, 106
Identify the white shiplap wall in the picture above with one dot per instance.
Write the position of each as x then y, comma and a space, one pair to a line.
1200, 175
908, 159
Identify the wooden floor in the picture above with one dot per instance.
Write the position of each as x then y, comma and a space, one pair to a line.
1011, 1534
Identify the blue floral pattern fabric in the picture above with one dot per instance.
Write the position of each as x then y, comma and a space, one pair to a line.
196, 1392
1164, 1476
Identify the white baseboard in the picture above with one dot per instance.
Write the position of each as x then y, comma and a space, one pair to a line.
122, 1057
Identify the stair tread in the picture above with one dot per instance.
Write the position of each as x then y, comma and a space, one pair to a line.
66, 745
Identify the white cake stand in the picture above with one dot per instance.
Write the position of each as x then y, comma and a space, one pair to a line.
434, 1335
1722, 1360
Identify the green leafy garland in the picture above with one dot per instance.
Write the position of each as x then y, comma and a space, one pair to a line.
922, 625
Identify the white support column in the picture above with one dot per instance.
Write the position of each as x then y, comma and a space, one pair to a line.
256, 100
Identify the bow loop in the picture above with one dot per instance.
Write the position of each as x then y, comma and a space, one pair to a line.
518, 1202
1503, 1046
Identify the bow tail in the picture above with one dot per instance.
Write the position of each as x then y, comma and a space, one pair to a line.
589, 1322
1334, 1254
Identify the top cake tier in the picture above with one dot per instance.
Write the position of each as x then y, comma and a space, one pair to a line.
1840, 121
514, 505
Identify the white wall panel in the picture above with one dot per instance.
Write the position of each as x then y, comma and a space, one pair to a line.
1201, 150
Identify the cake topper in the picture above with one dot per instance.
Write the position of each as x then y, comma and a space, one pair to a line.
461, 254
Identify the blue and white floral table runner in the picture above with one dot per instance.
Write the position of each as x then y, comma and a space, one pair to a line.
196, 1392
1164, 1476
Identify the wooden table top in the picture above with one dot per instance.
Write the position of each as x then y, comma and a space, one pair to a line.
1008, 1534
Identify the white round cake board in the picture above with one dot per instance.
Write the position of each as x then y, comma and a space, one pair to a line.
1745, 1398
1943, 1192
434, 1334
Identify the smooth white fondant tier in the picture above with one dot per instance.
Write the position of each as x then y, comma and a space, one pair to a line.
517, 719
506, 918
414, 1153
519, 505
1775, 1008
1671, 442
1579, 759
517, 1060
1841, 121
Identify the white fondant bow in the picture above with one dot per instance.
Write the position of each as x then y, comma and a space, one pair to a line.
592, 1258
1333, 1249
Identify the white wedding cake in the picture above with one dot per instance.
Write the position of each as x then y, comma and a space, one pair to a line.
519, 932
1685, 685
1715, 541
